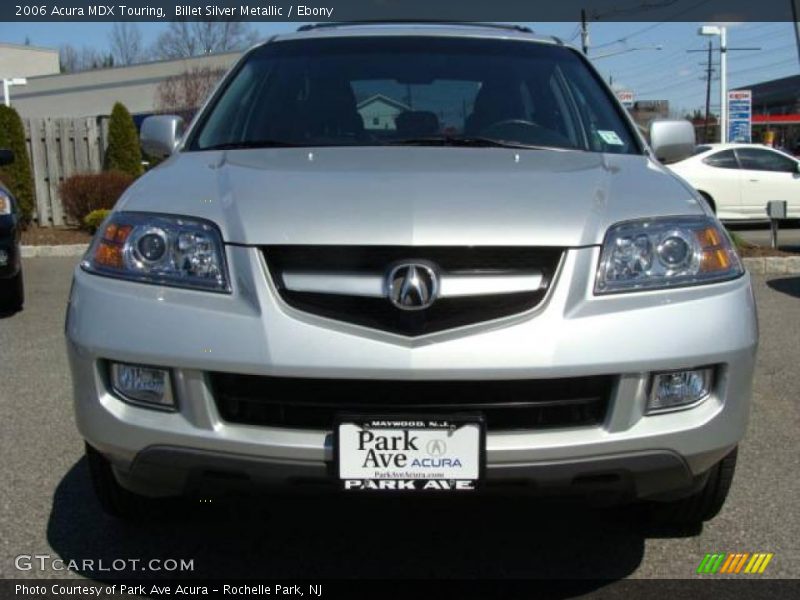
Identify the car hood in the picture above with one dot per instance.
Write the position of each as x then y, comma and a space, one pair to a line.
411, 195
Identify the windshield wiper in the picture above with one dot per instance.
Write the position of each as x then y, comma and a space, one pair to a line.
250, 144
460, 140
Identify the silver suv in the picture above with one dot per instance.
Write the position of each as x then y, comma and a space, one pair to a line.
413, 259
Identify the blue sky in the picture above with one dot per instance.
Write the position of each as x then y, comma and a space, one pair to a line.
671, 73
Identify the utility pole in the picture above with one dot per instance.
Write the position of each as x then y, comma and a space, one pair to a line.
584, 33
795, 11
709, 71
723, 84
722, 32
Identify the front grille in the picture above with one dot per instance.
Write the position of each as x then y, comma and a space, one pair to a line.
303, 403
380, 313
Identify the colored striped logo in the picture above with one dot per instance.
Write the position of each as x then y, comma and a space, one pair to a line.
735, 562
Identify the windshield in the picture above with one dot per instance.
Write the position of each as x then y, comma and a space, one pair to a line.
373, 91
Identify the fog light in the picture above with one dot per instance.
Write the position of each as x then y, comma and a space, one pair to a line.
142, 385
678, 389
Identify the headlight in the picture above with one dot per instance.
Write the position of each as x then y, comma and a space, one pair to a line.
160, 249
665, 252
5, 203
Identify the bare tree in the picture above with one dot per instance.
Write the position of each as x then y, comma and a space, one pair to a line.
183, 39
126, 43
68, 58
183, 94
86, 58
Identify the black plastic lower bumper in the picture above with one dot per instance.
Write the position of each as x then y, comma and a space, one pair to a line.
658, 474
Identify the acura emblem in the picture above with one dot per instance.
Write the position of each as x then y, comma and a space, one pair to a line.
436, 448
412, 285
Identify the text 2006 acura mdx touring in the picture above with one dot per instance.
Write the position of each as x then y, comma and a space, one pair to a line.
413, 257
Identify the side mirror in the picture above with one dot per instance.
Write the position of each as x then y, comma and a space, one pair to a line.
160, 134
6, 157
672, 141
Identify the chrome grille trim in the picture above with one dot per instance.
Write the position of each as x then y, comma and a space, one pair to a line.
452, 285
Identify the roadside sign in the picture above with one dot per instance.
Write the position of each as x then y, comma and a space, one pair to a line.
626, 97
740, 111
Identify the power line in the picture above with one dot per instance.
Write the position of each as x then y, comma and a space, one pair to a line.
679, 85
677, 79
663, 60
643, 7
625, 38
765, 35
575, 33
762, 67
761, 54
681, 79
659, 77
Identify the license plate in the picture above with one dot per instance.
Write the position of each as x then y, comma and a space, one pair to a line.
409, 453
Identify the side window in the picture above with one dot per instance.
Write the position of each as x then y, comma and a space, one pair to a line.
765, 160
722, 160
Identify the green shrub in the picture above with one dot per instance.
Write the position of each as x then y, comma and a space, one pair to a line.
123, 153
94, 219
16, 176
82, 194
739, 242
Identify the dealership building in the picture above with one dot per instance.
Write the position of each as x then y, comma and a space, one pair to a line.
776, 109
19, 60
93, 93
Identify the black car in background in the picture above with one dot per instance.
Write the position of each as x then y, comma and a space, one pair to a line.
11, 290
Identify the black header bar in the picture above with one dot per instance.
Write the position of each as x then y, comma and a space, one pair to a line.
371, 10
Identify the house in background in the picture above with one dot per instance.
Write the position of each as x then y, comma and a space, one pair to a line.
379, 111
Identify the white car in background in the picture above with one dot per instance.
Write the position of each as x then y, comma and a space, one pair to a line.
739, 179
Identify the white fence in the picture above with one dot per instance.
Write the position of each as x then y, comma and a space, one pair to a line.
59, 148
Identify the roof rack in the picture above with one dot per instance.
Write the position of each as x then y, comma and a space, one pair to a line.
506, 26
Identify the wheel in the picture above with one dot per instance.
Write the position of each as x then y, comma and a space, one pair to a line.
710, 201
703, 505
115, 500
13, 297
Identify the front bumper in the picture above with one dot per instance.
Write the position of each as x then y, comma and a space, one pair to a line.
573, 333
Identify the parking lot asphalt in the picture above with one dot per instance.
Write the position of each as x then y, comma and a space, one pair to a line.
47, 506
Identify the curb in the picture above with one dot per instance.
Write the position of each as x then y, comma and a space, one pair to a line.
773, 265
47, 251
768, 265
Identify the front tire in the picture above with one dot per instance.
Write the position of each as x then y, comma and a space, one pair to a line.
13, 297
703, 505
115, 500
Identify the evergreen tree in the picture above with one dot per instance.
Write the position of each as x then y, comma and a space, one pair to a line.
16, 176
123, 152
